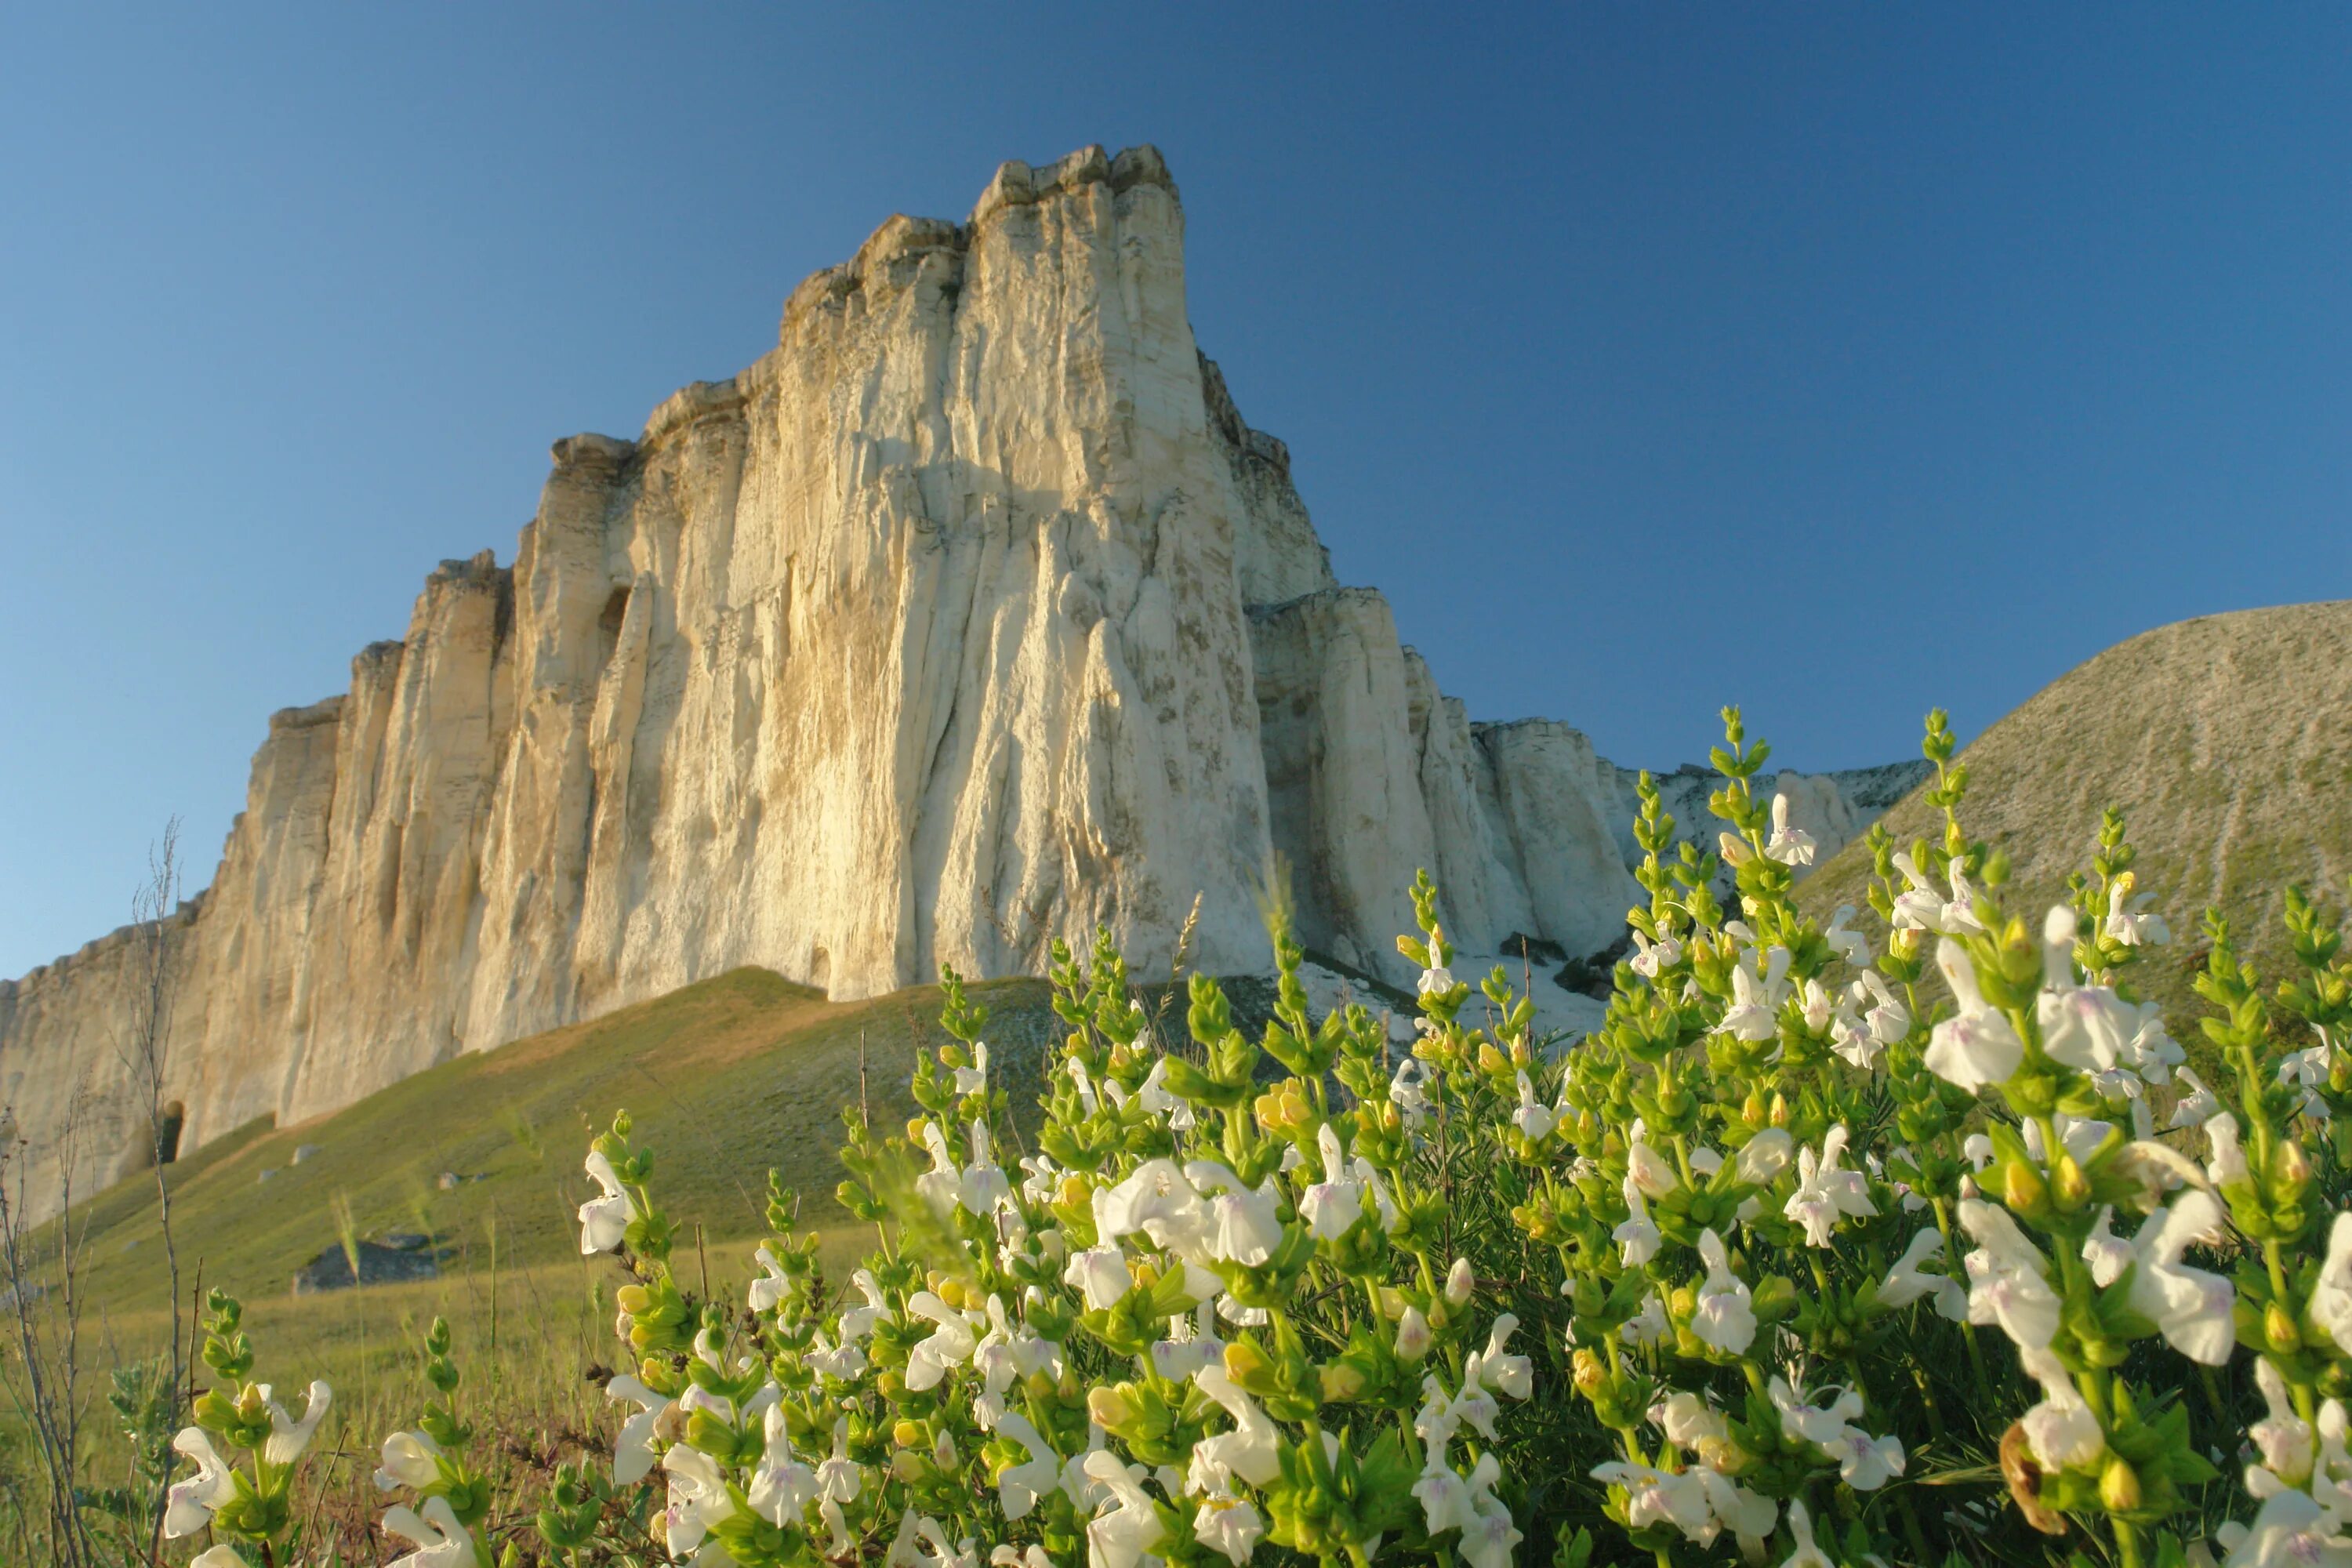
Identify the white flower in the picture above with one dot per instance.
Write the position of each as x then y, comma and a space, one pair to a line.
1638, 1236
2290, 1531
189, 1505
1444, 1497
838, 1478
2195, 1108
1155, 1098
1649, 957
633, 1454
856, 1322
2085, 1027
1817, 1424
2008, 1281
408, 1461
1763, 1157
2283, 1438
1459, 1282
1512, 1377
697, 1497
1119, 1538
1533, 1119
951, 1346
441, 1541
1789, 845
1332, 1205
984, 1187
2331, 1294
782, 1488
1800, 1530
221, 1556
1754, 1002
1865, 1463
2136, 925
942, 1186
1252, 1450
973, 1080
1228, 1526
767, 1291
1487, 1538
1409, 1091
1922, 908
1101, 1275
2191, 1307
2108, 1253
1436, 980
1825, 1193
603, 1221
1020, 1487
1850, 945
1906, 1282
1647, 1169
843, 1363
1976, 1045
2228, 1165
1244, 1225
2309, 1069
2061, 1430
1724, 1316
1655, 1497
1815, 1003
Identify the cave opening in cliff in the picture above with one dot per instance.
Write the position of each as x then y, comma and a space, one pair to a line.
608, 625
167, 1131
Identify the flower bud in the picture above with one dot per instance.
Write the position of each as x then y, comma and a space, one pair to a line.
1243, 1362
1414, 1337
908, 1434
915, 1125
1109, 1409
1341, 1383
1733, 848
2279, 1331
1779, 1112
2023, 1190
2292, 1168
1588, 1372
2119, 1486
1460, 1282
633, 1299
2068, 1185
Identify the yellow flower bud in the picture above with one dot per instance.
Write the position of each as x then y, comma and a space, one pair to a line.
1109, 1408
2279, 1330
2069, 1186
1586, 1371
908, 1434
1245, 1362
2119, 1487
1341, 1383
2023, 1190
915, 1126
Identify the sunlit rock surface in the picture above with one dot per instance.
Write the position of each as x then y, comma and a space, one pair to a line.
971, 616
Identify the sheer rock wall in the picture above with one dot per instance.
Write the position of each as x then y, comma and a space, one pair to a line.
969, 616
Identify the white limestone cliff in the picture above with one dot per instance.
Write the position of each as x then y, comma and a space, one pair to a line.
970, 616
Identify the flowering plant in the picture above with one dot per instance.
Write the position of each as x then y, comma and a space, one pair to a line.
239, 1496
1849, 1252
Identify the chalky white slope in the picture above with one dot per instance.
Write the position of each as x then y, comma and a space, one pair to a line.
969, 616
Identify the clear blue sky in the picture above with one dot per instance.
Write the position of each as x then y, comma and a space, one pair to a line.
1956, 343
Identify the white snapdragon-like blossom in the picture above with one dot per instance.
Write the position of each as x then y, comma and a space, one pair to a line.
1123, 1533
1651, 957
2189, 1306
1332, 1205
1533, 1118
1789, 844
1724, 1315
409, 1460
838, 1477
1637, 1236
2135, 924
1020, 1487
782, 1486
1756, 996
973, 1080
2008, 1278
1849, 945
1908, 1281
1228, 1526
1826, 1192
951, 1346
2197, 1107
440, 1541
189, 1503
1252, 1450
1921, 907
1864, 1463
1978, 1046
603, 1221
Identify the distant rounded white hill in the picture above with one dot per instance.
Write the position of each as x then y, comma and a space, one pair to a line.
2226, 740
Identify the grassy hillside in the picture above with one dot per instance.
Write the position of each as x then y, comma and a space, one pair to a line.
726, 1079
2226, 740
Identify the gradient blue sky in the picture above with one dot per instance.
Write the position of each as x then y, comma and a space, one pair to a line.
1841, 361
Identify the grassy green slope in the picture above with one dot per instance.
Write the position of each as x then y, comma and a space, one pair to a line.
2226, 740
726, 1079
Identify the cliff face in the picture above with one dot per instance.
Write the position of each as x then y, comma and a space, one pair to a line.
971, 616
